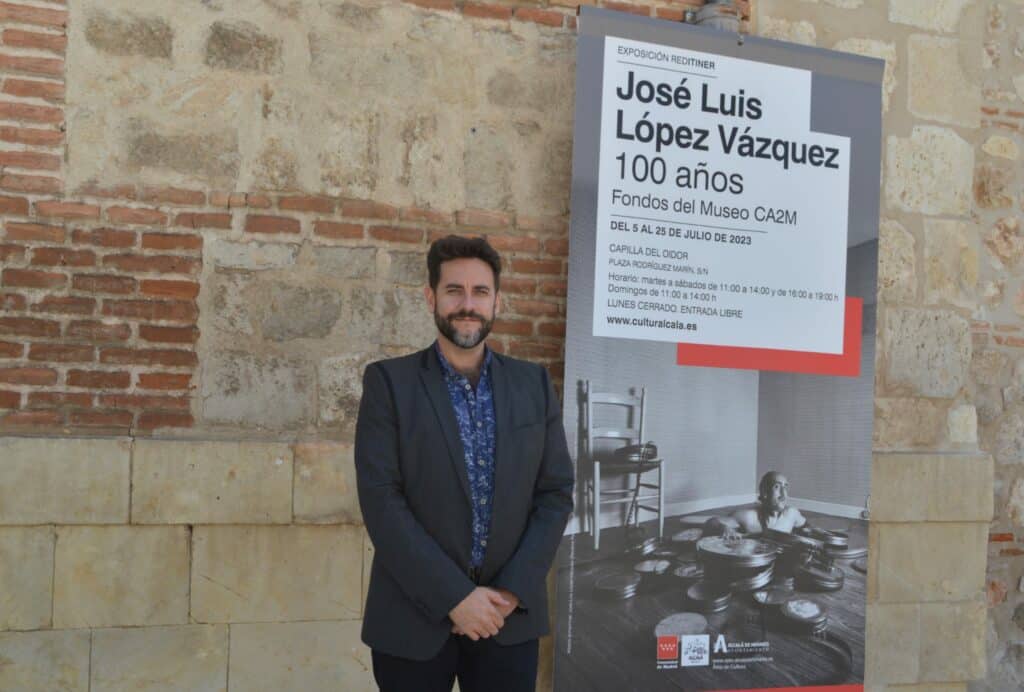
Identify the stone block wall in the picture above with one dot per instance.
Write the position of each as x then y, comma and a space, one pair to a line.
212, 219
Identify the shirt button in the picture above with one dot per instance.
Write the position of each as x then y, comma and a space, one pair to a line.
483, 500
479, 424
481, 462
468, 387
483, 541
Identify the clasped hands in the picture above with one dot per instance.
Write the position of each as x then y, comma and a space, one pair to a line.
482, 613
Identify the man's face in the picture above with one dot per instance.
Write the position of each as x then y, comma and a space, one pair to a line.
465, 301
778, 493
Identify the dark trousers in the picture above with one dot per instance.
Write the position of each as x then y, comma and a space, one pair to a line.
480, 666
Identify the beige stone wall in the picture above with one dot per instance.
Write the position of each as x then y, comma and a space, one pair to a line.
235, 223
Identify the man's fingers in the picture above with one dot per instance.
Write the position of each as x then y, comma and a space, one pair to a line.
497, 598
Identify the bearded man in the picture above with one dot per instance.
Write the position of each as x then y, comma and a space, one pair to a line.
773, 511
465, 484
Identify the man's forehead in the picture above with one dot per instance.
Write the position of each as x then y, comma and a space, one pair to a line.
467, 270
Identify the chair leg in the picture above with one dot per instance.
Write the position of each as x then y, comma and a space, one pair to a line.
596, 507
661, 500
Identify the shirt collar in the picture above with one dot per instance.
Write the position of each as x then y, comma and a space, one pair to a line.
452, 372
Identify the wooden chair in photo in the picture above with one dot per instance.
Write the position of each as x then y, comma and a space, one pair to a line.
638, 490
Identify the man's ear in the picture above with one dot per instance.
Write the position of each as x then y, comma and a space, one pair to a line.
428, 295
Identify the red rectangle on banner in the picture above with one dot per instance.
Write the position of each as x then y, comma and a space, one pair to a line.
845, 364
668, 648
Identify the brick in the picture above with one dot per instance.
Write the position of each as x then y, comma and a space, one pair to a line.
485, 11
105, 237
258, 201
480, 218
103, 283
171, 310
61, 353
672, 14
271, 224
513, 243
30, 159
1000, 538
168, 335
68, 210
155, 356
145, 401
9, 400
169, 289
12, 301
273, 573
99, 332
535, 349
153, 264
542, 224
198, 220
31, 88
172, 241
62, 257
46, 67
33, 184
138, 576
529, 266
323, 205
32, 136
34, 232
19, 38
537, 16
9, 349
396, 234
44, 419
14, 205
557, 246
133, 215
220, 199
28, 326
108, 192
340, 231
518, 286
366, 209
642, 10
555, 329
102, 419
27, 14
1011, 552
420, 215
29, 376
65, 305
532, 308
448, 5
553, 288
211, 482
99, 379
57, 399
165, 381
513, 327
29, 113
11, 252
173, 195
30, 278
156, 420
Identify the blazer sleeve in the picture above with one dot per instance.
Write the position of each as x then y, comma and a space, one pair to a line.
410, 555
525, 572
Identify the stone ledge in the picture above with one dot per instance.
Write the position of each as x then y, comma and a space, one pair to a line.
929, 562
187, 657
211, 483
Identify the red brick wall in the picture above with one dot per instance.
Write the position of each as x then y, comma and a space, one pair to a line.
98, 289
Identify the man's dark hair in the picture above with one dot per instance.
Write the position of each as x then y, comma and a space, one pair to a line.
460, 247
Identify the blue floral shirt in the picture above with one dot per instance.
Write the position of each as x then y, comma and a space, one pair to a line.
474, 411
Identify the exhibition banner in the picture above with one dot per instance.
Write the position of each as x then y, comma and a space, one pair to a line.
719, 361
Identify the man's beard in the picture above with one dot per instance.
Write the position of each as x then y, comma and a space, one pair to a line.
471, 340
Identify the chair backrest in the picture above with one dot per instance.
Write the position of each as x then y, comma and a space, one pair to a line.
631, 433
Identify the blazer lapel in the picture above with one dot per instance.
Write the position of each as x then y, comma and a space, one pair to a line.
437, 392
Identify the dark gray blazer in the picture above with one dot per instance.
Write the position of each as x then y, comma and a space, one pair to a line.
414, 494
